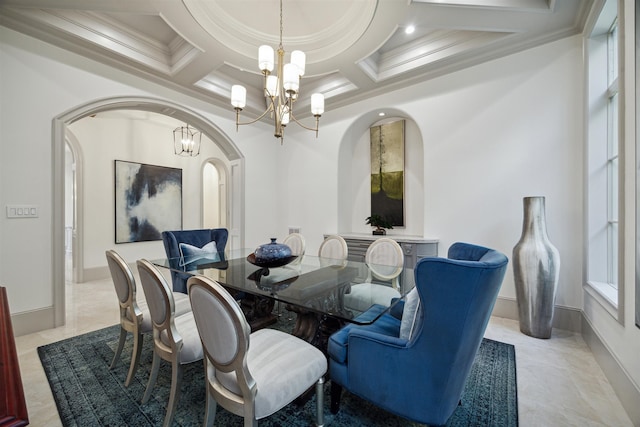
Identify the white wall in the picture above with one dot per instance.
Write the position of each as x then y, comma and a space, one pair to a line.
490, 135
311, 169
40, 82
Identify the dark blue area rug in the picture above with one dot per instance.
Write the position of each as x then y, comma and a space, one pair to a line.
87, 393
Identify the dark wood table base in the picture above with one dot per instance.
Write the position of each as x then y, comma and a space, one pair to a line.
258, 311
314, 328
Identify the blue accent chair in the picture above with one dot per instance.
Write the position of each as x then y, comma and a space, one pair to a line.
421, 377
197, 238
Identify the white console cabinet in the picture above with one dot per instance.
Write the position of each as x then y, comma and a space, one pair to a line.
414, 248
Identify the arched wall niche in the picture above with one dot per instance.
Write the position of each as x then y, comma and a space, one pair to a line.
155, 105
354, 171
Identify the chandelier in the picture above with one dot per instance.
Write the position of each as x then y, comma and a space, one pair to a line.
280, 90
186, 141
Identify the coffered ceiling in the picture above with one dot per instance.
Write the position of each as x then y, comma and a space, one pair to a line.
355, 49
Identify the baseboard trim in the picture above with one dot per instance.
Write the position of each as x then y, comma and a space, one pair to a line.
563, 317
621, 383
29, 322
95, 273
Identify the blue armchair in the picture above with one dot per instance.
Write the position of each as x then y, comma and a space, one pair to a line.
415, 360
195, 239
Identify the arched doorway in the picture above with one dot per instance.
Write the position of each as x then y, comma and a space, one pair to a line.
214, 194
208, 128
73, 182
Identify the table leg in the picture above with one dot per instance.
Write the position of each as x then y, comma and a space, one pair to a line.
314, 328
258, 311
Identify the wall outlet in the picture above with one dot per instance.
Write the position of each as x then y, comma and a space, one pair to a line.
22, 211
294, 229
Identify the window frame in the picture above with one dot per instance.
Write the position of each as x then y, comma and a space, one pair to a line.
604, 230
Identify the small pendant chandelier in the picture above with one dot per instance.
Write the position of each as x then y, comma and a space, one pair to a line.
186, 141
281, 89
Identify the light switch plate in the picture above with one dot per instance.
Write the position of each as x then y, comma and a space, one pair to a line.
22, 211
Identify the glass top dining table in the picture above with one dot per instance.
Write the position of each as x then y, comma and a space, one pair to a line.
309, 284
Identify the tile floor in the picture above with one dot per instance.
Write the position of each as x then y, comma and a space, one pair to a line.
559, 381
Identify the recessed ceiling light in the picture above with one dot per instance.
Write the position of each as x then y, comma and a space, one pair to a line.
410, 29
381, 114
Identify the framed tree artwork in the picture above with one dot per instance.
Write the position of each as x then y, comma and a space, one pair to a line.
148, 201
387, 172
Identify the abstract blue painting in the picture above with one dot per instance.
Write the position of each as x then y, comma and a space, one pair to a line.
148, 201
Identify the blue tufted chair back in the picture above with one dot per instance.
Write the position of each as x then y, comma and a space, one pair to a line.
422, 377
198, 238
459, 293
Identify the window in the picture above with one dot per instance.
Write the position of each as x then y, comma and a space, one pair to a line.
612, 156
603, 162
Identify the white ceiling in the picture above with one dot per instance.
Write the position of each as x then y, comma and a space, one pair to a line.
355, 49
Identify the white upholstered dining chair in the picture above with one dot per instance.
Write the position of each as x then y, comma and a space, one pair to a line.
297, 244
134, 313
333, 249
175, 338
385, 261
250, 374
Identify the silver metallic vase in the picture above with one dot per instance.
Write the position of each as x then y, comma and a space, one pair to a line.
536, 268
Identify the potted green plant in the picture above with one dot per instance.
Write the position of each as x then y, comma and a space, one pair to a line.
380, 223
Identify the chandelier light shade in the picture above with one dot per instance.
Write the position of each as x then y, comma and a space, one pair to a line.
186, 141
238, 96
317, 104
265, 58
281, 89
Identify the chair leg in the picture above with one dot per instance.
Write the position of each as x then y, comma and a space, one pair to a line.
320, 402
210, 409
250, 422
116, 356
176, 380
153, 376
135, 357
336, 391
250, 416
